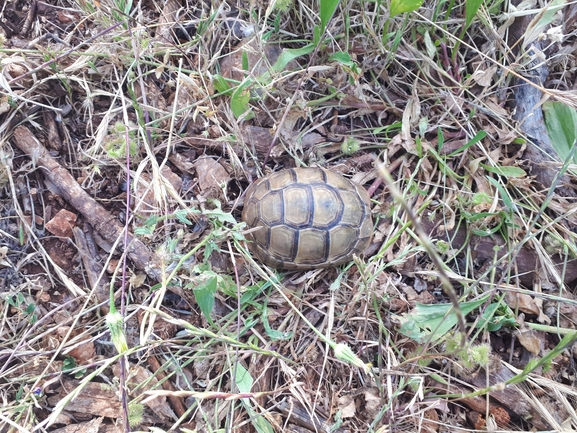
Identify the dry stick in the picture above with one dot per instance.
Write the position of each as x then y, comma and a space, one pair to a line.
29, 18
176, 401
98, 217
94, 269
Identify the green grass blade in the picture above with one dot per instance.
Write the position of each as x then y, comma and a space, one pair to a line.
328, 8
471, 8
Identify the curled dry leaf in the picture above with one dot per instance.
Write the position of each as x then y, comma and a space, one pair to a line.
531, 340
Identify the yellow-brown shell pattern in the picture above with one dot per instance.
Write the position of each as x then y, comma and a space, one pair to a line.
308, 218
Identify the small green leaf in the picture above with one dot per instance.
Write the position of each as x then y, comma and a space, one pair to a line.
220, 84
239, 103
245, 62
503, 193
273, 333
204, 295
561, 122
438, 378
291, 54
181, 216
30, 309
220, 216
495, 317
402, 6
243, 379
316, 35
506, 171
434, 321
341, 57
69, 363
480, 135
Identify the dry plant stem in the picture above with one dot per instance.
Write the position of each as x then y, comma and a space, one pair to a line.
238, 295
123, 361
61, 56
238, 321
426, 243
98, 217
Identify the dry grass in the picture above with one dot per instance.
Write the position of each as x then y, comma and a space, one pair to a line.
221, 343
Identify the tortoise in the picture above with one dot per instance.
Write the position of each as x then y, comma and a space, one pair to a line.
308, 217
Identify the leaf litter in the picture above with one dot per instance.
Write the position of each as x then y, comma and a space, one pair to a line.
176, 107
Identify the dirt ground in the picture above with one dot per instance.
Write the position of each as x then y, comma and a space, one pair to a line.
130, 299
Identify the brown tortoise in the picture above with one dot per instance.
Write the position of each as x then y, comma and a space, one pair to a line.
308, 218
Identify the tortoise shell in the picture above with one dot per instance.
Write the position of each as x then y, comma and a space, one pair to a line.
308, 218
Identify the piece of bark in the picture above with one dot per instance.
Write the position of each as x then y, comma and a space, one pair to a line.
141, 380
95, 214
479, 404
94, 399
526, 263
92, 426
53, 140
94, 270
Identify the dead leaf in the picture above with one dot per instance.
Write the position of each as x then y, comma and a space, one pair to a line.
83, 353
483, 77
4, 260
529, 338
140, 380
373, 403
212, 177
525, 303
347, 406
146, 201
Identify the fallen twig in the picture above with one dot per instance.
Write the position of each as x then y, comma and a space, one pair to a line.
98, 217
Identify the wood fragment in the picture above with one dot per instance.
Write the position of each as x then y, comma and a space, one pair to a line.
298, 415
94, 213
175, 401
94, 270
29, 18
